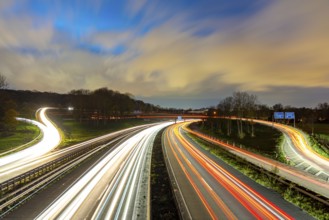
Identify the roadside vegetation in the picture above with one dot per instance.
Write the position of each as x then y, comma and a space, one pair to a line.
319, 147
315, 128
74, 132
314, 121
264, 139
80, 114
318, 136
269, 180
24, 133
162, 198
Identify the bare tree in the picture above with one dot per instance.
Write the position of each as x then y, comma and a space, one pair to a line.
242, 105
226, 107
251, 111
3, 82
323, 111
240, 100
277, 107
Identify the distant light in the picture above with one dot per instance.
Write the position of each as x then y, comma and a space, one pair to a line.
70, 108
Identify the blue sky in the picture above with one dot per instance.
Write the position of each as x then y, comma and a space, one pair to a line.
173, 53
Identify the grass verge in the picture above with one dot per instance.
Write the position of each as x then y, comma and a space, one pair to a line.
23, 134
74, 132
264, 141
162, 199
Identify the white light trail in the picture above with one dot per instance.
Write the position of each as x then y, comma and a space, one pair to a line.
121, 162
51, 138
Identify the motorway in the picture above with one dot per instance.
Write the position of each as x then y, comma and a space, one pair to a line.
201, 182
115, 187
290, 173
20, 167
299, 152
43, 152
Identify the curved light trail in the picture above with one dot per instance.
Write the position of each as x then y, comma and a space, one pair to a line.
288, 172
300, 152
51, 138
112, 188
221, 194
20, 167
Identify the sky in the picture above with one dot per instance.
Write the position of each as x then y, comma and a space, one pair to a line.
173, 53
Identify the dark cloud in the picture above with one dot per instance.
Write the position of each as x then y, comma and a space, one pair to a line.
296, 96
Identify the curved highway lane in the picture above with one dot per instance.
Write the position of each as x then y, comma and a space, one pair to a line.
290, 173
15, 169
43, 152
209, 190
299, 152
51, 139
116, 187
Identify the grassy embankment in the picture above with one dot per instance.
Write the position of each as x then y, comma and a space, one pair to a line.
73, 132
313, 207
24, 133
265, 140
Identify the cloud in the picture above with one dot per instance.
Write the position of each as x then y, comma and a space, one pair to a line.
22, 32
177, 52
294, 96
134, 7
280, 46
110, 40
5, 4
275, 47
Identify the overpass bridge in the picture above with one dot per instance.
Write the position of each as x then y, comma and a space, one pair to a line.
174, 116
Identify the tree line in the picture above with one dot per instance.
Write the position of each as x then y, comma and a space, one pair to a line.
241, 105
245, 105
98, 106
104, 104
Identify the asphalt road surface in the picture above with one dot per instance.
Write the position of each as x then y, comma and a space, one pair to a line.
209, 189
